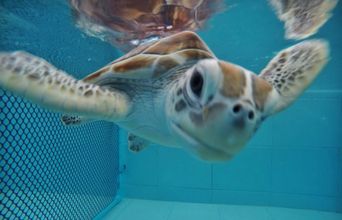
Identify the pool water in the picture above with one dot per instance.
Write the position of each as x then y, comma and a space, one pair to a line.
291, 169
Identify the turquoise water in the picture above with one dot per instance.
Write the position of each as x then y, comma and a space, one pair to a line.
295, 159
52, 172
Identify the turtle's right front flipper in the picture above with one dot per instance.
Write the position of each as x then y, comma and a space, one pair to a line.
291, 71
42, 83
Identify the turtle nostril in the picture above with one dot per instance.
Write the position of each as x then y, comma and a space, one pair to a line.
251, 115
237, 108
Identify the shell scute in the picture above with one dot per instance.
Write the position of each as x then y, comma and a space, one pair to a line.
155, 59
163, 64
139, 62
177, 42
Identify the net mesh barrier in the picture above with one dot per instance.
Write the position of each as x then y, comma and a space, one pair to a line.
49, 171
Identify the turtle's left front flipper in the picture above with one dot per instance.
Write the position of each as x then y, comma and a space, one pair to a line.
291, 72
42, 83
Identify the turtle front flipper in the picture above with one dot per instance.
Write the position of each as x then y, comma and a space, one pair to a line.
42, 83
293, 70
303, 18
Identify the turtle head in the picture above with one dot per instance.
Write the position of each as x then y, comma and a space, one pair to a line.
212, 110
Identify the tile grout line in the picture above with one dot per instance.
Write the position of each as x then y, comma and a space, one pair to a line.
171, 210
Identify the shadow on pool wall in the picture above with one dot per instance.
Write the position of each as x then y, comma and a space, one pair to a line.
295, 159
49, 171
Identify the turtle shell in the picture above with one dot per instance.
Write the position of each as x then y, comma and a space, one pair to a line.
155, 59
128, 23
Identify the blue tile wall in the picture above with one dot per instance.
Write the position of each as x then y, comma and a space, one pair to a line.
241, 176
295, 158
143, 169
311, 172
174, 164
240, 197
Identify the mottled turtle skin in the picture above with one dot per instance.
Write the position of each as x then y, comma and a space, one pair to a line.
173, 92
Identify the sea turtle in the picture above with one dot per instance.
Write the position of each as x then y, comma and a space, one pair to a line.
173, 92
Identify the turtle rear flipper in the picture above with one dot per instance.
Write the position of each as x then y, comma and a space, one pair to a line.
293, 70
40, 82
136, 143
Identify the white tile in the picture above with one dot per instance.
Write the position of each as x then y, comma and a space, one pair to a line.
302, 201
116, 211
133, 209
241, 197
184, 194
231, 212
146, 210
194, 211
301, 214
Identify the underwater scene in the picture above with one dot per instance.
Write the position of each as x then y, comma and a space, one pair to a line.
171, 109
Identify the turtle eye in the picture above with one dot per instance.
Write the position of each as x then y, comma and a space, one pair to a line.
196, 83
